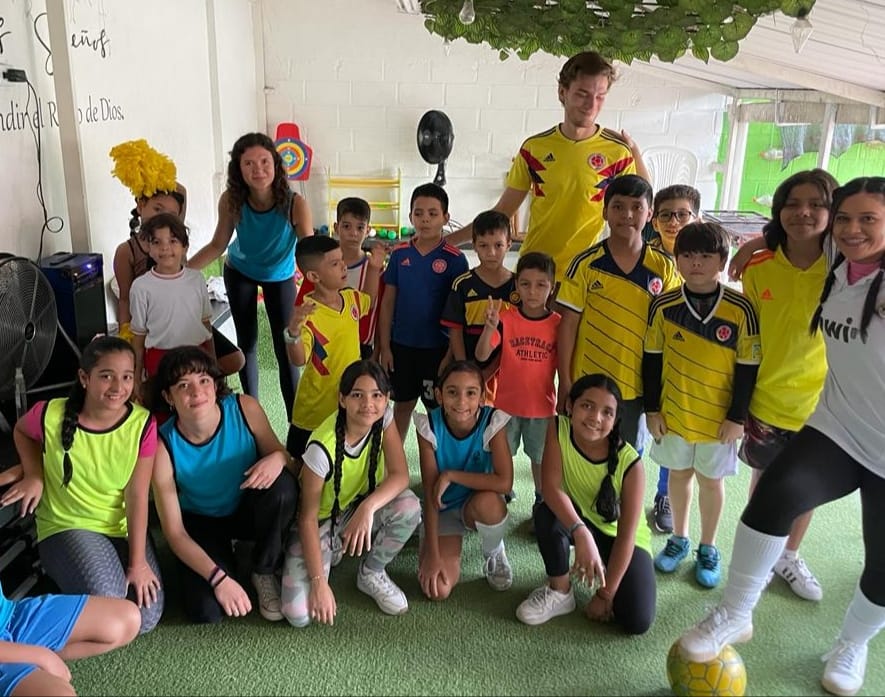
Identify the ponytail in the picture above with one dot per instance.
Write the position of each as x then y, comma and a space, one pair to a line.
828, 286
337, 467
607, 504
872, 299
134, 222
73, 407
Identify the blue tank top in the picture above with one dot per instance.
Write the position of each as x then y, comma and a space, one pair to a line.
264, 246
465, 454
6, 608
209, 475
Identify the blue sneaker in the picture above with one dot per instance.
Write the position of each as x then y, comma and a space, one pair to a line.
676, 549
707, 568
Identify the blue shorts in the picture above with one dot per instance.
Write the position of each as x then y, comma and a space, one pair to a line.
44, 620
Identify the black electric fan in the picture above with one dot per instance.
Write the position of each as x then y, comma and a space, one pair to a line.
28, 321
435, 138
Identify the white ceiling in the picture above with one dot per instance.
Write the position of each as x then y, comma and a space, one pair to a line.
845, 55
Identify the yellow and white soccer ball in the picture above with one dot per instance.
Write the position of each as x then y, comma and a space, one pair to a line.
724, 675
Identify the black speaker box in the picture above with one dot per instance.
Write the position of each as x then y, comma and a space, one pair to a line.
78, 283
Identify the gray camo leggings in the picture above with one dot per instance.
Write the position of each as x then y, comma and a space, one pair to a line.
392, 527
82, 561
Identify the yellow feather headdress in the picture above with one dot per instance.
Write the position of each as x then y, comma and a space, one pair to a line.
143, 170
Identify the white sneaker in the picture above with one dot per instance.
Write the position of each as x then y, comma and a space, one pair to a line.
801, 580
268, 588
846, 665
381, 588
497, 570
707, 638
544, 604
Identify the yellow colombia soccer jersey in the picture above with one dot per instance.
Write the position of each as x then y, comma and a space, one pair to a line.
700, 354
331, 343
794, 362
567, 180
614, 312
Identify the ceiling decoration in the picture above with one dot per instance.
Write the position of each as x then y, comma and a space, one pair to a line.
621, 30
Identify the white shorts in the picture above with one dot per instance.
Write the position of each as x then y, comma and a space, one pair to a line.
712, 460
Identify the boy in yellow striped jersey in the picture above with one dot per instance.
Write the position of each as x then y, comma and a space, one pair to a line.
604, 301
674, 207
702, 352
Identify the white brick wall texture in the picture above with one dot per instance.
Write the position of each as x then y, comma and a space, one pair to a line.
361, 74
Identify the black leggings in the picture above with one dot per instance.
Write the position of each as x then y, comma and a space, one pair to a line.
264, 516
279, 298
812, 470
635, 599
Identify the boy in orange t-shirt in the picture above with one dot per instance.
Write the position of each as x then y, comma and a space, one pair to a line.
526, 334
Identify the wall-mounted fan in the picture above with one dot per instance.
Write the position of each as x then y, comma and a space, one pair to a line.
28, 322
435, 138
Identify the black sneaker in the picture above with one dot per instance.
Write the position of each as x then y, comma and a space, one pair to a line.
661, 514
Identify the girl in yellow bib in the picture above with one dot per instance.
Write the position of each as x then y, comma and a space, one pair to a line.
354, 499
87, 463
593, 486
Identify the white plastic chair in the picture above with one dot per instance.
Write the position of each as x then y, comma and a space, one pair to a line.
669, 165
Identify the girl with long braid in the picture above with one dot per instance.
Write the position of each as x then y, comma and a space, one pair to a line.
87, 463
593, 486
838, 451
354, 499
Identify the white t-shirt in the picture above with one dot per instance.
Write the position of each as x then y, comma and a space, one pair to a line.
851, 409
170, 309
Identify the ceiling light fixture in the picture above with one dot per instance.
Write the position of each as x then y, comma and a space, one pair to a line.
801, 31
467, 15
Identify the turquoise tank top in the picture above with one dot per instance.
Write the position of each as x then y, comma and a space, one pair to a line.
264, 246
209, 475
465, 454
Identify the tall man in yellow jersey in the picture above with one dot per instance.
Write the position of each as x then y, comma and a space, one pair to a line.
566, 168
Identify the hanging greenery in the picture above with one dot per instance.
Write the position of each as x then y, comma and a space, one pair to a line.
618, 29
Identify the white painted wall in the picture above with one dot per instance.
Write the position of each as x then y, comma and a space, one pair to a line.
357, 76
150, 78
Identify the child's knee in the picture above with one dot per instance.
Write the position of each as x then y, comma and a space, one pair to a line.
126, 623
636, 623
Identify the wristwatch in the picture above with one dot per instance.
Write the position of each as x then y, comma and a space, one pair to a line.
289, 339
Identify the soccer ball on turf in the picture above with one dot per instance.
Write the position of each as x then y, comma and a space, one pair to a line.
724, 675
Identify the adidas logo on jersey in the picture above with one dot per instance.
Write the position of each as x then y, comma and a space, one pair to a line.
549, 157
406, 262
471, 293
678, 336
597, 285
766, 295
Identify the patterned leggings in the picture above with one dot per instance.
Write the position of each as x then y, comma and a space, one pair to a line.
393, 525
82, 561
